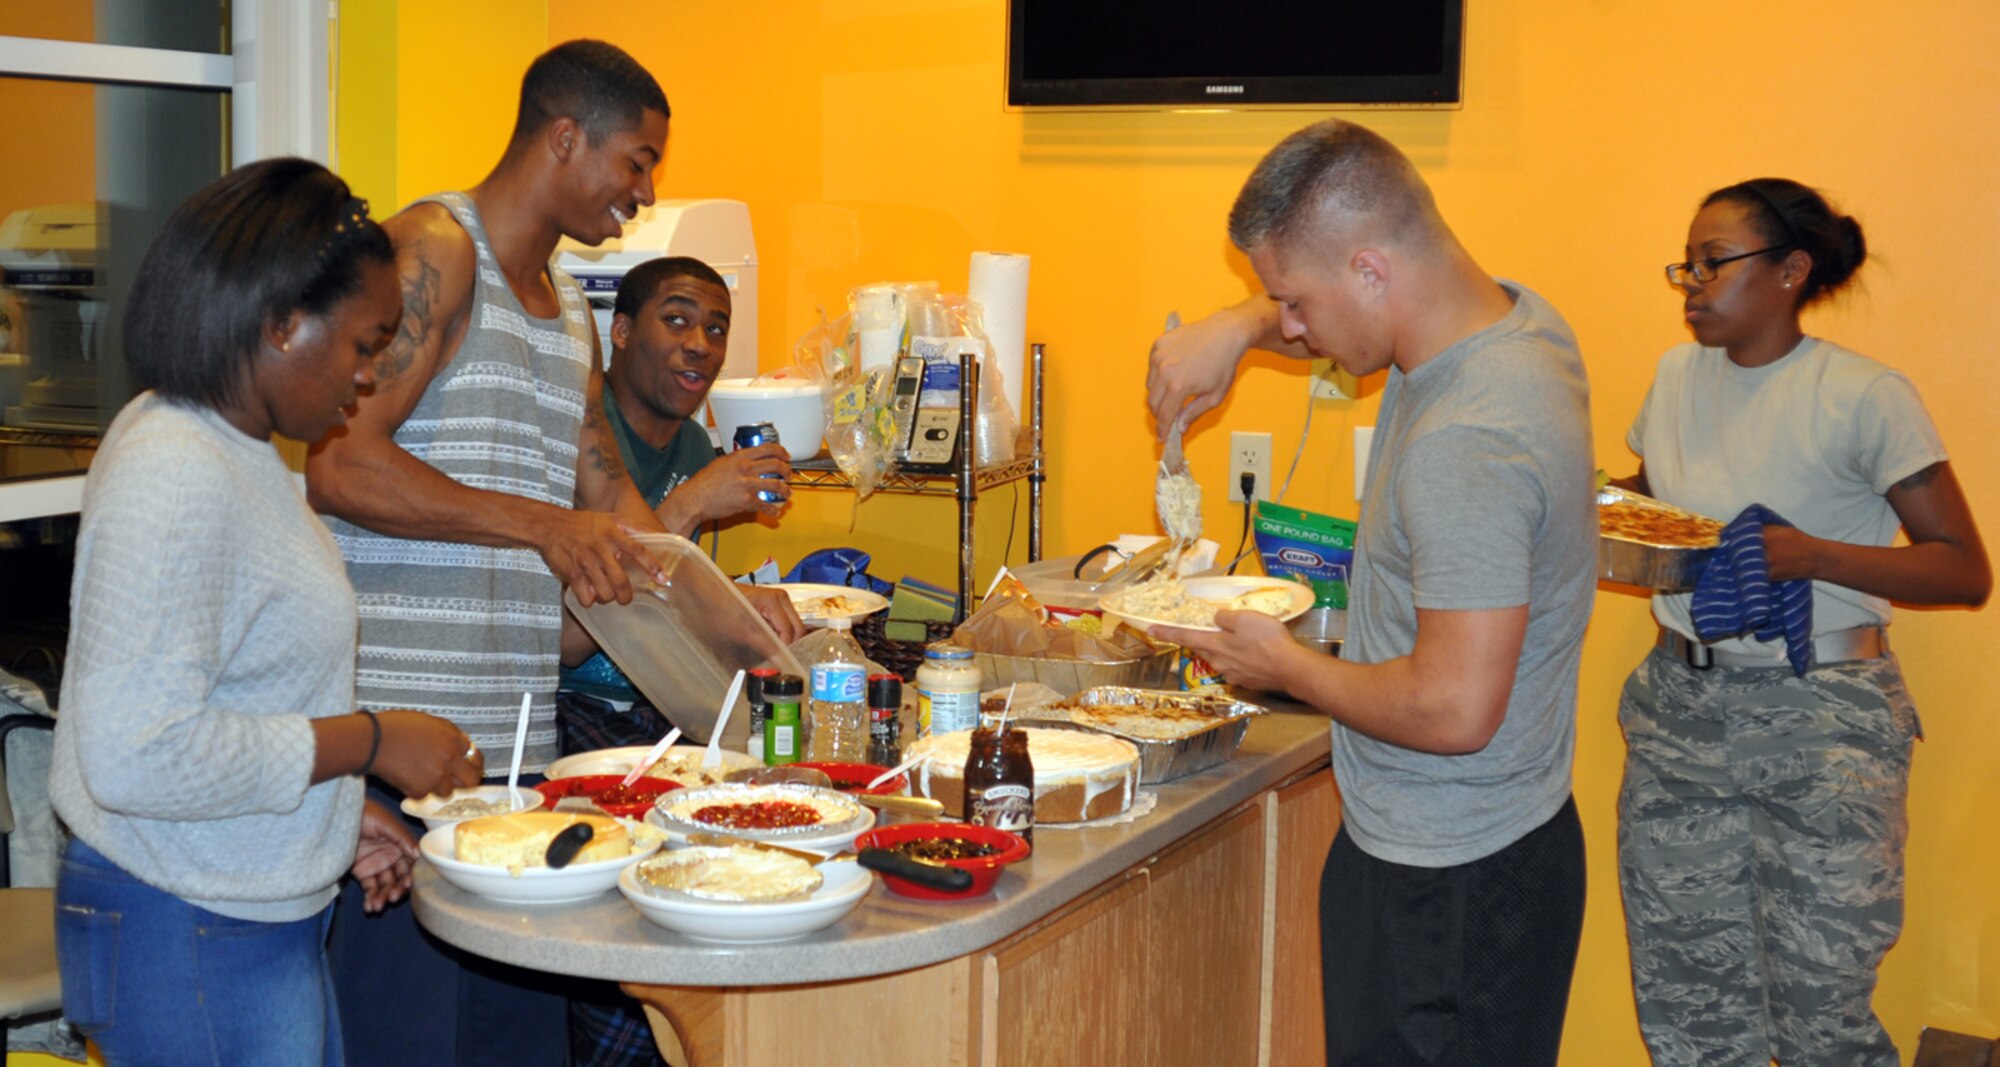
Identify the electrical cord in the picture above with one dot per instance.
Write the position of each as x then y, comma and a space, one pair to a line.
1248, 483
1297, 452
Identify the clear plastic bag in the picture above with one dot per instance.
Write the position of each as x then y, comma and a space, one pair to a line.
859, 424
854, 357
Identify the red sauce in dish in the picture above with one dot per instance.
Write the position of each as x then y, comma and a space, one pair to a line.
626, 794
761, 815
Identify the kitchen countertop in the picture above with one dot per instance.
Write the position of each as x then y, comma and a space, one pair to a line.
607, 938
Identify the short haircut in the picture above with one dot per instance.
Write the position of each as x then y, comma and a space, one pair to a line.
247, 250
1332, 172
1789, 215
597, 84
643, 282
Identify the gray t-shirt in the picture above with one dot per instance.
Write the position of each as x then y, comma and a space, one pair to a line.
1818, 436
1479, 496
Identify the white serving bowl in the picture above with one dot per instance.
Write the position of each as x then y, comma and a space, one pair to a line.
794, 408
426, 808
622, 760
706, 920
534, 885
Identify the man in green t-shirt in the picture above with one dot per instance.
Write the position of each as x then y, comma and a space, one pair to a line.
669, 333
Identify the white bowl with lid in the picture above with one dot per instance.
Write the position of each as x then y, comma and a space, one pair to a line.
794, 407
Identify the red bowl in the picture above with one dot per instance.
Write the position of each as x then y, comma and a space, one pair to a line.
850, 777
638, 797
985, 869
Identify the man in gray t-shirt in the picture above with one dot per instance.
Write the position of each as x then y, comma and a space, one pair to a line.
1452, 900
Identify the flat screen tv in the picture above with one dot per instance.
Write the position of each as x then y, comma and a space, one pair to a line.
1232, 53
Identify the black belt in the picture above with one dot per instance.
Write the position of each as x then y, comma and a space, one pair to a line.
1840, 646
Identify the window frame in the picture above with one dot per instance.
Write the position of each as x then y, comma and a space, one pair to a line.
277, 78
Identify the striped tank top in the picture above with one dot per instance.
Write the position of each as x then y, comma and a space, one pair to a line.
456, 630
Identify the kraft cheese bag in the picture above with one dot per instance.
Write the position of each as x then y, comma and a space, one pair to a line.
1307, 546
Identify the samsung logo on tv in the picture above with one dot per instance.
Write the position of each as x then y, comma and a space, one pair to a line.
1220, 90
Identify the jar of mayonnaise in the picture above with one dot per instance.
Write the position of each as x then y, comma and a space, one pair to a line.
947, 690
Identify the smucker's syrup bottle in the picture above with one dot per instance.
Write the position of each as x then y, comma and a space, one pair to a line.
1000, 781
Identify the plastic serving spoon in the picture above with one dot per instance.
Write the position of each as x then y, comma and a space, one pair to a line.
713, 757
652, 756
567, 844
520, 742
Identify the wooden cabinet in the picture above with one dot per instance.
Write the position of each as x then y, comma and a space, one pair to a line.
1307, 816
1161, 968
1208, 953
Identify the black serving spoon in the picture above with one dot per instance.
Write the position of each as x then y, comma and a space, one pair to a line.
567, 844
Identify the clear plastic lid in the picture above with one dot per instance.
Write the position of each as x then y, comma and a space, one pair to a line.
682, 642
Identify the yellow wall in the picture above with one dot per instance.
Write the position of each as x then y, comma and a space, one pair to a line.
869, 140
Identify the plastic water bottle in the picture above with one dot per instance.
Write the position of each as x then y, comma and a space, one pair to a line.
839, 699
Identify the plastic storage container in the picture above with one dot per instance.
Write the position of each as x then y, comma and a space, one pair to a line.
681, 642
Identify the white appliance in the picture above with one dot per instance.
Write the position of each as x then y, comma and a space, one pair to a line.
717, 232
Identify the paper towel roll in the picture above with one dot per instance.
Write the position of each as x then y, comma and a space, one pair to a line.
999, 281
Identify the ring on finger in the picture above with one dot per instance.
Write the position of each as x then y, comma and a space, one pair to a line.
471, 751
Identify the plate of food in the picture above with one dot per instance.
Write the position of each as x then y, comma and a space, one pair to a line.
681, 763
503, 857
796, 816
1651, 543
470, 803
1191, 603
818, 604
742, 896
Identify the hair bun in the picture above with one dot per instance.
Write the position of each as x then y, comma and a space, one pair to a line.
1852, 242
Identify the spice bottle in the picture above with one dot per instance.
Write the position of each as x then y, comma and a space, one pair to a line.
1000, 781
760, 708
781, 730
885, 703
947, 690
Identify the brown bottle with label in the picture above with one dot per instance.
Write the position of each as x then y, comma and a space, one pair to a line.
1000, 782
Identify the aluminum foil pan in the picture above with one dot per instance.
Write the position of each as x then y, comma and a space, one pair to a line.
1166, 760
1666, 568
842, 814
1067, 676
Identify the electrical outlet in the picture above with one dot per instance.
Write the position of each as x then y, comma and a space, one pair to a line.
1329, 382
1251, 453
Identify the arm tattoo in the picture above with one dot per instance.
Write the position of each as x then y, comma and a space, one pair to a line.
599, 453
1921, 478
422, 285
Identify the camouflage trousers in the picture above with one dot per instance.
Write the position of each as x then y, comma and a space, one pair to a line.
1760, 850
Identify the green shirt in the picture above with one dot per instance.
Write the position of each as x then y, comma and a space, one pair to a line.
655, 472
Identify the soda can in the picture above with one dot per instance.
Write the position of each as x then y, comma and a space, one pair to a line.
752, 435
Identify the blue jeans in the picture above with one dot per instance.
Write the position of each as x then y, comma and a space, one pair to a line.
154, 979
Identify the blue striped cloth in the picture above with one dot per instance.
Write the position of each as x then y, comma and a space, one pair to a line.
1735, 593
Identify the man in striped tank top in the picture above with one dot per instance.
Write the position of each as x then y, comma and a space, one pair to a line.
475, 482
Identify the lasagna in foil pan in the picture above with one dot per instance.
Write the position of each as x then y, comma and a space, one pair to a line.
1177, 734
1646, 542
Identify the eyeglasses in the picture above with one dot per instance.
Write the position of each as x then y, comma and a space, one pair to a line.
1703, 271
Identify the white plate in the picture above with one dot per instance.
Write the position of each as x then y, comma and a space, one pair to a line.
828, 843
622, 760
862, 603
534, 885
844, 886
426, 808
1220, 589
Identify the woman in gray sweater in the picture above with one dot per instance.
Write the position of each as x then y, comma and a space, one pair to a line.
208, 758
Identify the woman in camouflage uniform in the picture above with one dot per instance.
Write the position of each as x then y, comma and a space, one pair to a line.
1761, 823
